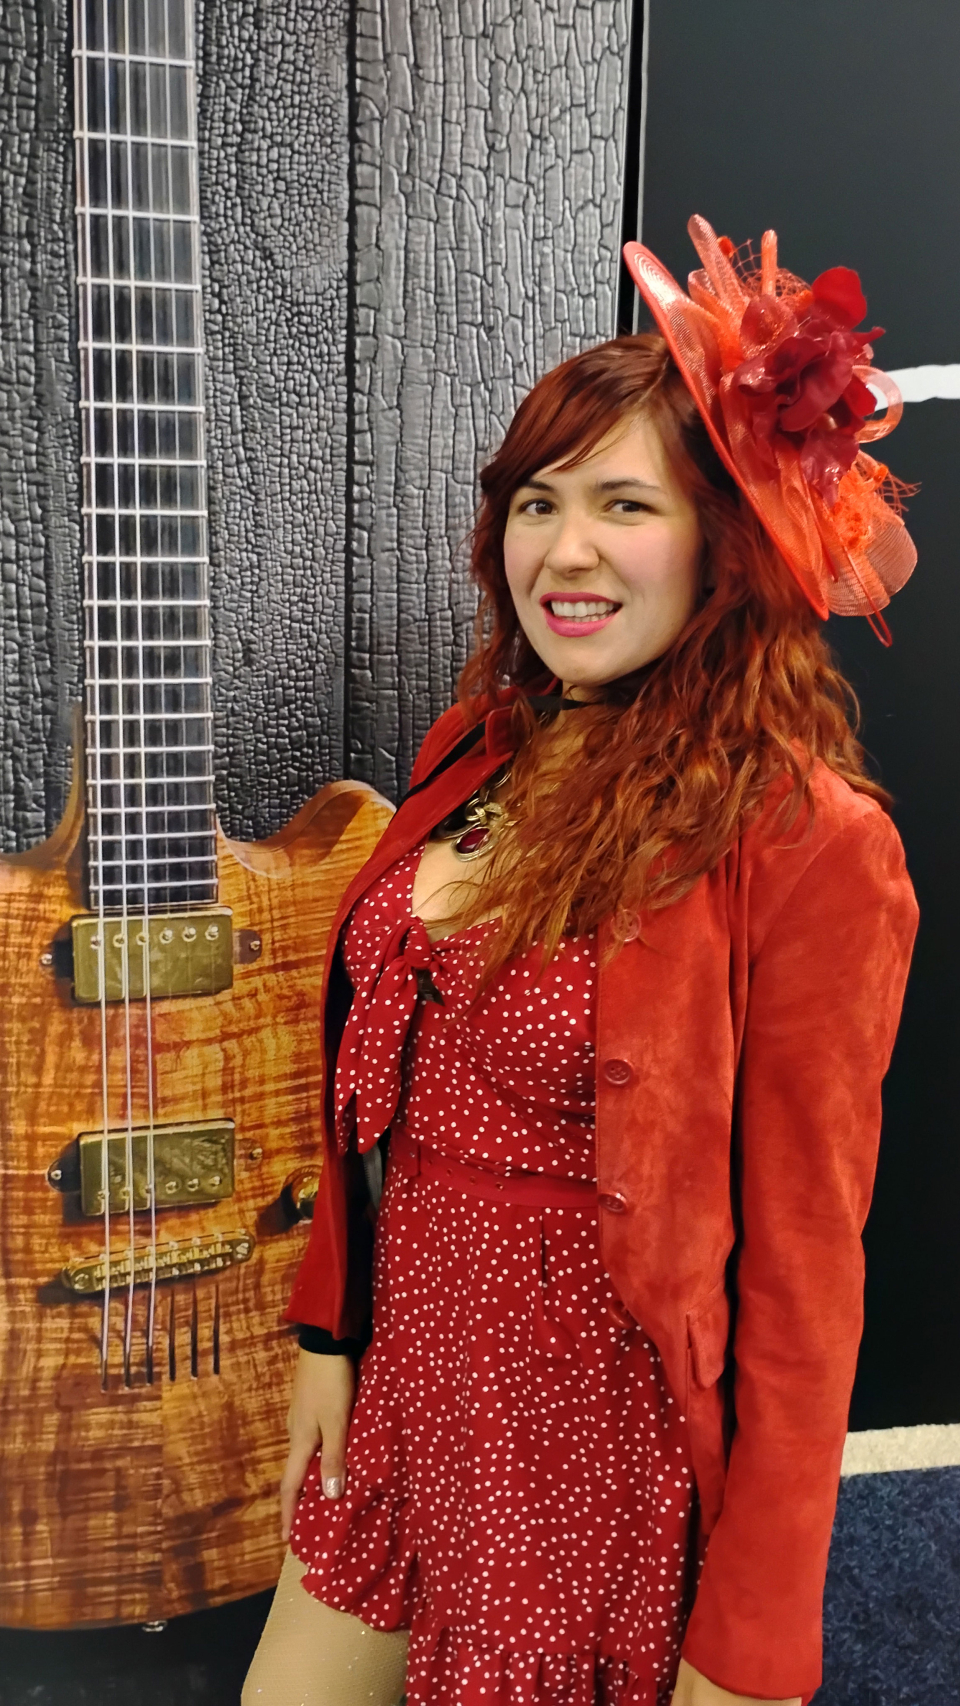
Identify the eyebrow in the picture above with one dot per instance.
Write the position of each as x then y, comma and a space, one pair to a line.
598, 486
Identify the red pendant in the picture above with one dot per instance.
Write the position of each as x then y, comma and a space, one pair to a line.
471, 840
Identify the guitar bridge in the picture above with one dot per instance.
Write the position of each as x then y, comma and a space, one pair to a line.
174, 1259
190, 953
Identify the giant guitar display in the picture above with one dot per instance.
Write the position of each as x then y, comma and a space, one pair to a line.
159, 1033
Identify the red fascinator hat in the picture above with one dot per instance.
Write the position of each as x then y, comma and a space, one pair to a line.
782, 379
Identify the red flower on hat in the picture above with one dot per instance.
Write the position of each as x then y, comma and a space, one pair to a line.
802, 383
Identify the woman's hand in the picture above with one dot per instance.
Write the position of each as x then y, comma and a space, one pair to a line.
319, 1414
694, 1690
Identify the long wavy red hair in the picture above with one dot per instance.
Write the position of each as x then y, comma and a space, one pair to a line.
674, 760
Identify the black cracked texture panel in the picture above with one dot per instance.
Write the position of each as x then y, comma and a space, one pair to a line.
488, 177
40, 669
274, 171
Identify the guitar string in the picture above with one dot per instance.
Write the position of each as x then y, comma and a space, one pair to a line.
85, 244
151, 1173
202, 673
123, 940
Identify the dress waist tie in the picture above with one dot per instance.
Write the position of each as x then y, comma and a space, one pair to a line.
536, 1191
414, 1160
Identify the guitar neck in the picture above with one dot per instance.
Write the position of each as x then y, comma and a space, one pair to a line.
148, 718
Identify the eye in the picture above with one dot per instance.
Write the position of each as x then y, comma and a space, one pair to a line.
631, 506
535, 506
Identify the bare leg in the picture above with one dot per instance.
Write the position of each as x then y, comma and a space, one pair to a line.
311, 1655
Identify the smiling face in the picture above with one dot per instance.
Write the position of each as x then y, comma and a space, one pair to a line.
602, 559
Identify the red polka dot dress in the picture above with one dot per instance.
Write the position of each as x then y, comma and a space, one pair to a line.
518, 1480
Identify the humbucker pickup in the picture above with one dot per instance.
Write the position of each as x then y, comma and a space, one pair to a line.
190, 953
192, 1164
171, 1260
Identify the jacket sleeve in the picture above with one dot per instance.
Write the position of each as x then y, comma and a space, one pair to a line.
824, 1001
331, 1292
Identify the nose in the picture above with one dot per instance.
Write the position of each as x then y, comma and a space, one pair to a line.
571, 548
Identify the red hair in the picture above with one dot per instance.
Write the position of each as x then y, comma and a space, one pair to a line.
675, 759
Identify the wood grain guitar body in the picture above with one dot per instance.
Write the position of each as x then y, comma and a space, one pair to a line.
154, 1492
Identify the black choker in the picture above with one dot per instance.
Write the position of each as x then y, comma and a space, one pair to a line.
554, 702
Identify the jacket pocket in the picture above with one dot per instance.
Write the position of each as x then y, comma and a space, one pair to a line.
708, 1330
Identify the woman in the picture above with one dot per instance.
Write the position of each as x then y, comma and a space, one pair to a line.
614, 997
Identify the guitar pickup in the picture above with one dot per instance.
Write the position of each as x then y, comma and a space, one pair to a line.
192, 1164
190, 953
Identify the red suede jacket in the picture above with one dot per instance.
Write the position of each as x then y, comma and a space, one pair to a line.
741, 1044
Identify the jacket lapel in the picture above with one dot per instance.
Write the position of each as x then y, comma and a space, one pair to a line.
416, 816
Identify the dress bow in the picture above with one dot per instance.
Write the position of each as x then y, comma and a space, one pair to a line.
370, 1061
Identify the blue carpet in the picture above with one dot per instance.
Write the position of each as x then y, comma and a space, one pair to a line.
892, 1615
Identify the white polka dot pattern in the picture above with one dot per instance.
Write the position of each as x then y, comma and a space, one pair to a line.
518, 1484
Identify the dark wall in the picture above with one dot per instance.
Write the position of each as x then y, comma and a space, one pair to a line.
839, 125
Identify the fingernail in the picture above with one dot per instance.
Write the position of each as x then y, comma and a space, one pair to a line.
333, 1486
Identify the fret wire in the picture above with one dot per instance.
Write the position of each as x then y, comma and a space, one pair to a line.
93, 208
146, 603
199, 893
101, 460
204, 803
203, 714
158, 645
136, 59
173, 863
159, 782
161, 681
127, 811
159, 717
142, 349
99, 713
141, 752
153, 838
207, 883
110, 510
95, 707
136, 136
108, 605
179, 562
153, 408
127, 281
131, 838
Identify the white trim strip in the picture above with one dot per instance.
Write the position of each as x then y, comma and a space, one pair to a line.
919, 384
879, 1450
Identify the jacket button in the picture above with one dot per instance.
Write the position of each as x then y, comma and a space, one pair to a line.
617, 1072
613, 1202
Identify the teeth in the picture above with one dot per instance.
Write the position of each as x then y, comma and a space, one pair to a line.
578, 609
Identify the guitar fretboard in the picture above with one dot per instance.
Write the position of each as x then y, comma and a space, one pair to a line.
150, 808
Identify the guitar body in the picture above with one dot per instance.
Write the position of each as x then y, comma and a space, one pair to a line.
154, 1493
